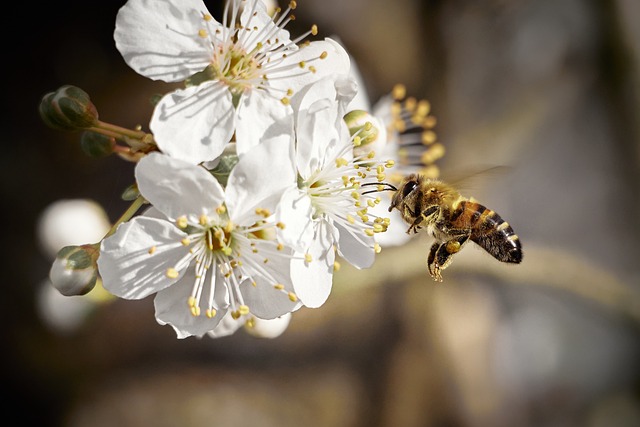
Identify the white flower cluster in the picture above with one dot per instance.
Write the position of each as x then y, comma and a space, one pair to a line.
257, 174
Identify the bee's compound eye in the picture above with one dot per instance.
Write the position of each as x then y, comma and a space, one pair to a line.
409, 186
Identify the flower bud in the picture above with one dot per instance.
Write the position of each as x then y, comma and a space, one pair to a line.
68, 108
75, 269
367, 131
97, 145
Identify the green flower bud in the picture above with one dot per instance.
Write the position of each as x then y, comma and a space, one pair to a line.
75, 269
367, 132
68, 108
96, 145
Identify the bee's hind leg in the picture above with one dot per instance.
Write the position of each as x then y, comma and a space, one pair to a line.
441, 254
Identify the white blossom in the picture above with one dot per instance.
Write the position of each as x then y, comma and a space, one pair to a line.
214, 251
241, 78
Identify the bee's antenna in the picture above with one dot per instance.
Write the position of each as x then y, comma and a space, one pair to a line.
381, 186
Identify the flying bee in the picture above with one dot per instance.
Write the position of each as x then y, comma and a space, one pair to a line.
452, 220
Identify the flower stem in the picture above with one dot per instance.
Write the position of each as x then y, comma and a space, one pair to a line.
131, 210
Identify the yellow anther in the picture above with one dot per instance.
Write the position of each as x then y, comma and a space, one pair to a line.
323, 55
221, 209
254, 284
195, 311
314, 30
380, 187
152, 250
308, 258
377, 249
285, 101
390, 163
428, 137
386, 221
280, 225
235, 315
371, 154
266, 260
301, 64
345, 180
378, 228
203, 220
429, 122
293, 297
365, 218
312, 69
380, 168
423, 108
289, 92
228, 228
203, 33
211, 313
341, 161
355, 195
191, 301
227, 250
278, 286
399, 92
250, 323
369, 232
368, 126
371, 203
362, 212
182, 222
336, 266
357, 141
434, 153
172, 273
357, 204
279, 246
243, 309
381, 177
185, 241
293, 4
351, 219
410, 104
207, 17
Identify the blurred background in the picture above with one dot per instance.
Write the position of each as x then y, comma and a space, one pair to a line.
548, 88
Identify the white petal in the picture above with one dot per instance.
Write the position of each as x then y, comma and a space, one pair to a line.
255, 16
159, 39
312, 281
271, 328
261, 117
295, 212
336, 63
194, 124
396, 233
227, 326
318, 136
358, 251
172, 308
177, 188
263, 299
258, 180
127, 268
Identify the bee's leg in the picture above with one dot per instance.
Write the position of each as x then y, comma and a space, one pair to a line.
434, 269
415, 226
441, 255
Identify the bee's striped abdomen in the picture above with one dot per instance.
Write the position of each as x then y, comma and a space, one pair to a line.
488, 230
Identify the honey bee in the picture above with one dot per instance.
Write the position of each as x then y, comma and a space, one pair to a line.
452, 220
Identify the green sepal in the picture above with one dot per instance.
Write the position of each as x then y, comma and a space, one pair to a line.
224, 167
96, 145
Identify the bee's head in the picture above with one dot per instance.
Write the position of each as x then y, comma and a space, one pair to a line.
406, 191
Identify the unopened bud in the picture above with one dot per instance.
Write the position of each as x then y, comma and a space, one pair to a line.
75, 270
68, 108
97, 145
367, 130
